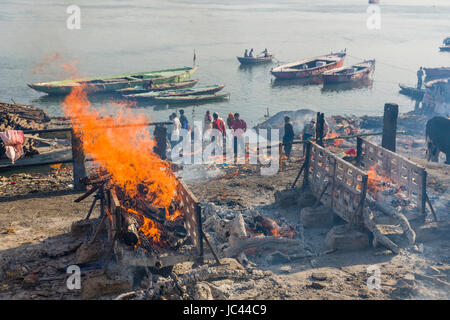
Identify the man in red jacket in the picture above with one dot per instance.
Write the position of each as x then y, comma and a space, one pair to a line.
218, 124
239, 127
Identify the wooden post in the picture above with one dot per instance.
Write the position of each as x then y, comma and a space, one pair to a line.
358, 150
160, 135
79, 167
320, 121
390, 126
306, 164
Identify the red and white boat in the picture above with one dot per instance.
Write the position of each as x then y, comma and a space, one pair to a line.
357, 72
309, 67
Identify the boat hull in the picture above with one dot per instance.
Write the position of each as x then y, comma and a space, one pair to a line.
445, 48
110, 84
160, 87
287, 72
411, 91
176, 93
364, 74
193, 99
255, 60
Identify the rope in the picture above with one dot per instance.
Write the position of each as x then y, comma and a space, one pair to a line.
387, 64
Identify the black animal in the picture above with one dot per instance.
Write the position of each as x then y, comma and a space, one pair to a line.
438, 138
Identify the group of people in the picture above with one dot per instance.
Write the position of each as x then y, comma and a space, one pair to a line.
238, 127
214, 121
248, 54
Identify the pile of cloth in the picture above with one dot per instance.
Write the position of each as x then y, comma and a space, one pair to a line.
13, 141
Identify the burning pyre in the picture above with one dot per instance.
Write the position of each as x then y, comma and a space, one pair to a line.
144, 184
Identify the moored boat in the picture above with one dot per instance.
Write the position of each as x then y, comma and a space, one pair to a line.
356, 72
412, 92
193, 99
159, 87
433, 73
255, 60
113, 83
176, 93
309, 67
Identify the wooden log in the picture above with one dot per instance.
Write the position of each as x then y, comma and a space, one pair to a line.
267, 243
378, 236
130, 234
398, 216
79, 167
390, 126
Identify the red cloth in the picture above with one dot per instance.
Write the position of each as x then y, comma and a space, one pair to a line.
239, 124
13, 140
351, 152
219, 125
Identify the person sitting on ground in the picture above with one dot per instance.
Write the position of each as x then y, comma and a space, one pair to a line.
288, 136
230, 120
183, 120
246, 53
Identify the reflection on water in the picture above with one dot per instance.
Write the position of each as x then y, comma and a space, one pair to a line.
315, 80
336, 87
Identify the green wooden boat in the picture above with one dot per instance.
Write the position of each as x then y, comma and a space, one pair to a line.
193, 99
176, 93
159, 87
113, 83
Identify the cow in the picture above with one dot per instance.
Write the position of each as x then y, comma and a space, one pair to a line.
438, 138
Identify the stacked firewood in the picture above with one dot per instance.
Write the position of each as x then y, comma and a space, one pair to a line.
132, 211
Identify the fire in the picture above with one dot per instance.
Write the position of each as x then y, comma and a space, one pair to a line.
375, 181
126, 153
149, 227
336, 142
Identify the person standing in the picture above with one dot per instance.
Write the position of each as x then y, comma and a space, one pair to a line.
288, 136
420, 78
218, 124
309, 131
207, 121
230, 120
239, 127
183, 120
176, 126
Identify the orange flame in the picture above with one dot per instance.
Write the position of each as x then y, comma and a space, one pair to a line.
126, 153
374, 183
336, 142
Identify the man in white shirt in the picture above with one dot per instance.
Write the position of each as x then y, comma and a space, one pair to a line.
176, 126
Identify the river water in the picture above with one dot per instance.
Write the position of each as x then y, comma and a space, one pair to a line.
129, 36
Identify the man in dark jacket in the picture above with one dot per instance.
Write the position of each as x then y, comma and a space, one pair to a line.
288, 137
183, 120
